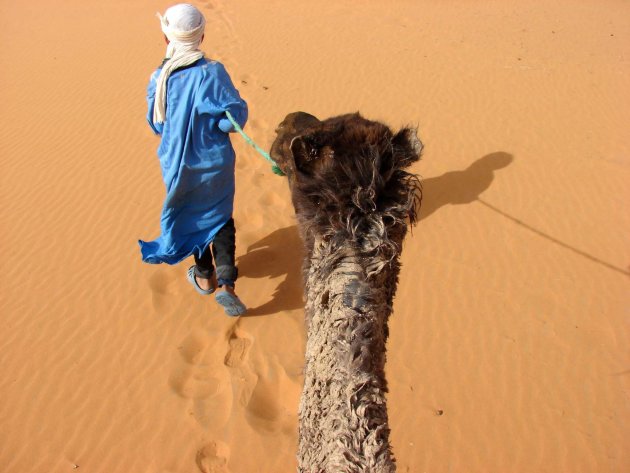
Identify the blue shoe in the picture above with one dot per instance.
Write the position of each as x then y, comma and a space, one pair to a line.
192, 280
231, 304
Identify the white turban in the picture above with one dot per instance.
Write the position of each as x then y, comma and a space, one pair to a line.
183, 25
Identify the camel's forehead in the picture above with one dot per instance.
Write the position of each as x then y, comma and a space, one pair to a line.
297, 122
354, 130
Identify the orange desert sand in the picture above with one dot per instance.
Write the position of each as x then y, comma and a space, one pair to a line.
509, 339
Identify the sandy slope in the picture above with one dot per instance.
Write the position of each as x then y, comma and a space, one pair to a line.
508, 348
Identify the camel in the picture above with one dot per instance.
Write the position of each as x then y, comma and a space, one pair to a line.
354, 202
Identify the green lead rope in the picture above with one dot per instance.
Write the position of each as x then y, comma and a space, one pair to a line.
274, 166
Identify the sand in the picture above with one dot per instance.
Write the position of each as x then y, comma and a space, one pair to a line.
509, 339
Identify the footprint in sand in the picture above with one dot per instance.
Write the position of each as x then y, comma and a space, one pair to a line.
259, 131
258, 125
201, 377
218, 18
271, 200
205, 374
239, 344
266, 409
213, 458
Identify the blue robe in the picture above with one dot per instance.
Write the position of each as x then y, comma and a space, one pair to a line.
196, 157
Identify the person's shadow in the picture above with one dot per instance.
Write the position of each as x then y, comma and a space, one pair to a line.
278, 253
461, 187
281, 252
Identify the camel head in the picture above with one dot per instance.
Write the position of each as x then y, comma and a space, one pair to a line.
354, 200
347, 177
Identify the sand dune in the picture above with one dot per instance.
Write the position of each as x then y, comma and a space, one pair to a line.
508, 347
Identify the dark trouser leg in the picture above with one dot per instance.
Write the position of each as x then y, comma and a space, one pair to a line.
204, 267
224, 250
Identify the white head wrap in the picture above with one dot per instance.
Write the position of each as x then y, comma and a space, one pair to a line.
183, 25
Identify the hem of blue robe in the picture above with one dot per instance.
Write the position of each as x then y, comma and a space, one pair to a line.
149, 255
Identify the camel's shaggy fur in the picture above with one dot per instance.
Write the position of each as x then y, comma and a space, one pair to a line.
353, 200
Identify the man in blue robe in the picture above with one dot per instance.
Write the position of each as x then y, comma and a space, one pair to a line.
187, 97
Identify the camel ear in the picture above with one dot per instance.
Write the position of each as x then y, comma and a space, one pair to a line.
303, 152
298, 151
407, 146
297, 147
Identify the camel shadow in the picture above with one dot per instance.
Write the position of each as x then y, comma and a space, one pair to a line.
278, 253
461, 187
465, 187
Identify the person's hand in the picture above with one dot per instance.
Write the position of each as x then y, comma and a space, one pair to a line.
225, 125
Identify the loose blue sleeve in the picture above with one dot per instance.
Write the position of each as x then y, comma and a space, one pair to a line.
220, 96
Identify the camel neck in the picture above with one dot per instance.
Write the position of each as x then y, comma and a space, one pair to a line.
344, 387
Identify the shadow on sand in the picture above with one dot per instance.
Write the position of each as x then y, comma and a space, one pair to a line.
278, 253
465, 187
461, 187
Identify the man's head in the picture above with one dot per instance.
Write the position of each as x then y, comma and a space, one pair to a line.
183, 24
